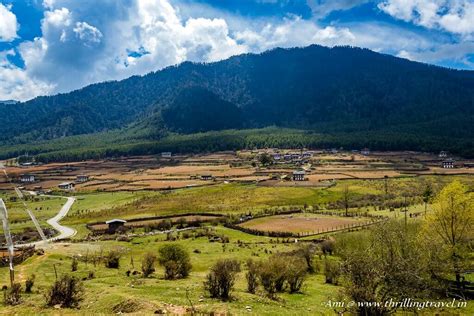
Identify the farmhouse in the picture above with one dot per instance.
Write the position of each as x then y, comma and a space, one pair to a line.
298, 175
114, 224
66, 186
166, 154
443, 154
27, 178
207, 177
448, 164
276, 156
82, 178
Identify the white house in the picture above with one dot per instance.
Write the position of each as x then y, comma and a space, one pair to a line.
448, 164
298, 175
82, 178
27, 178
67, 186
365, 151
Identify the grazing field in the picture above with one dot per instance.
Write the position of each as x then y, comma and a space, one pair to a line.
143, 190
301, 223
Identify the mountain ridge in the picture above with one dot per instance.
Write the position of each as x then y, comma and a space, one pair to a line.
333, 90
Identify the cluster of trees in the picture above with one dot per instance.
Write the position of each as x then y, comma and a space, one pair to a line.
400, 260
106, 146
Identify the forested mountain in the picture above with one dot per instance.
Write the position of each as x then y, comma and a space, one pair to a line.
328, 90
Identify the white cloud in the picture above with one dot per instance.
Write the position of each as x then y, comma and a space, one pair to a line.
87, 33
15, 83
87, 41
448, 52
321, 8
8, 24
455, 16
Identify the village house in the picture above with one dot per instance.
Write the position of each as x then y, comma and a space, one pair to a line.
115, 224
166, 154
82, 178
443, 154
27, 178
365, 151
307, 154
298, 175
448, 164
67, 186
276, 156
207, 177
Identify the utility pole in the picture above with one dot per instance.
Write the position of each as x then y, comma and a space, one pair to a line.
8, 239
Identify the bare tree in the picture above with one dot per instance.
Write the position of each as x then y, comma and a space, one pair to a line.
346, 197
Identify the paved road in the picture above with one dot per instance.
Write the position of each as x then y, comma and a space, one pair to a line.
64, 232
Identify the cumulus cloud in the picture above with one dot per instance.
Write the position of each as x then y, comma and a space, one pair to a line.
452, 16
8, 24
87, 41
87, 33
15, 83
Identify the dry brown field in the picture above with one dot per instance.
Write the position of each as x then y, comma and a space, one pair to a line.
156, 173
299, 223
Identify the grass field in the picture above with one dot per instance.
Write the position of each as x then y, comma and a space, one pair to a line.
112, 287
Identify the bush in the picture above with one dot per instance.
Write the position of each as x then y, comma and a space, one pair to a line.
29, 283
296, 269
112, 259
307, 253
220, 280
148, 264
327, 247
332, 271
273, 275
91, 275
175, 259
67, 292
13, 296
252, 276
74, 264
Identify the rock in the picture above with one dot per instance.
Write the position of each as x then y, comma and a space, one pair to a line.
57, 306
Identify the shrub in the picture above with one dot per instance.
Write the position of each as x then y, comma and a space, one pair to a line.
148, 264
252, 276
112, 259
221, 278
30, 281
175, 259
327, 247
307, 253
74, 264
296, 269
273, 275
91, 275
67, 292
13, 296
332, 271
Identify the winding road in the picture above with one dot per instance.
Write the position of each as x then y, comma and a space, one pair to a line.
64, 231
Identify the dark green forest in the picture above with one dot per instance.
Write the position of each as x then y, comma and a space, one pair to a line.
309, 97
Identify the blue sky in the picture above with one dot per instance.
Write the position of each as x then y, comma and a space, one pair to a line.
55, 46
